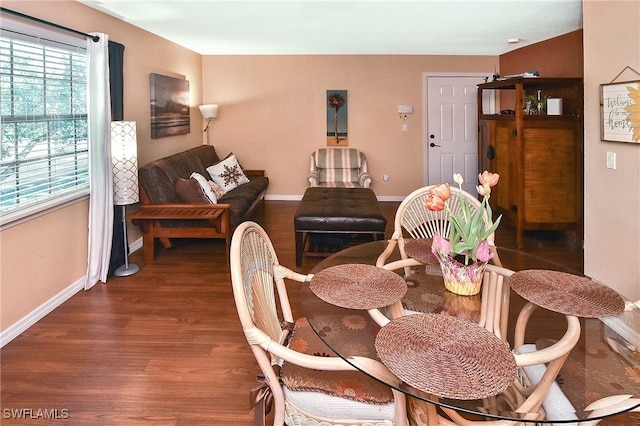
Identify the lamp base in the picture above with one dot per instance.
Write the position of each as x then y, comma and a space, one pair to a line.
126, 270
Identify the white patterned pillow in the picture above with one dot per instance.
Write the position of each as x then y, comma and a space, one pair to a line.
227, 173
206, 188
217, 189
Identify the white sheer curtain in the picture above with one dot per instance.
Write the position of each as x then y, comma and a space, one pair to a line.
101, 198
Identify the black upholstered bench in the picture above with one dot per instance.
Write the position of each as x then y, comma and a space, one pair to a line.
337, 211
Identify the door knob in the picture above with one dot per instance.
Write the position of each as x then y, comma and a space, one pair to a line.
433, 145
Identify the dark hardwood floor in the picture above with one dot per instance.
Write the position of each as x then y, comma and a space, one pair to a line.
164, 346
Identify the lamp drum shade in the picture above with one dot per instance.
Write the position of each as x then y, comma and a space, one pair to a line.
124, 157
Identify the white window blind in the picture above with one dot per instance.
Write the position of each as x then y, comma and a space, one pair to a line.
43, 103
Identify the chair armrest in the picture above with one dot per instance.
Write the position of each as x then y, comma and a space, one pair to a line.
256, 336
364, 179
382, 258
253, 172
314, 178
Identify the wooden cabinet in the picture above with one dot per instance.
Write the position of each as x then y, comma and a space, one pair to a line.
539, 157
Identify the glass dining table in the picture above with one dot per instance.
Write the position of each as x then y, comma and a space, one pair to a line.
600, 377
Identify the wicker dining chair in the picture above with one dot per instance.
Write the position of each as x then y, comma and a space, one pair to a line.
533, 392
414, 220
260, 294
538, 367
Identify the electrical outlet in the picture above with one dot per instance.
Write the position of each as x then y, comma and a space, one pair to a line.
611, 160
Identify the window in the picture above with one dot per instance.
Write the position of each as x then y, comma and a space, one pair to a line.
44, 159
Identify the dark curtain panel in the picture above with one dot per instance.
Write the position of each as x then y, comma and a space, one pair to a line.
116, 81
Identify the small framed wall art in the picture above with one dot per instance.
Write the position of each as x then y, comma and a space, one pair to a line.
620, 106
169, 106
337, 134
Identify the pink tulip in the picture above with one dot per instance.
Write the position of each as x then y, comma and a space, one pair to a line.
441, 243
483, 253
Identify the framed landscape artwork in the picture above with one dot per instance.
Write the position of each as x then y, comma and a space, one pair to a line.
169, 106
620, 106
337, 118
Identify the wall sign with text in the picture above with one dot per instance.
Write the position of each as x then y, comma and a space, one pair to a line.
620, 105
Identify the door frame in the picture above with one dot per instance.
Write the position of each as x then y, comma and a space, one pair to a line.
425, 110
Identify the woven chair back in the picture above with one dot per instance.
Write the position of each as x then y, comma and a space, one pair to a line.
253, 261
420, 222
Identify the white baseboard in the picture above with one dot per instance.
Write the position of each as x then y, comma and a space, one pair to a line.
136, 245
391, 198
40, 312
283, 197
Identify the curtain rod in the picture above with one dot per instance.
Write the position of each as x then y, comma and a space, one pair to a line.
51, 24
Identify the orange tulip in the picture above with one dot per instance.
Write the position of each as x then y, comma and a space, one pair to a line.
441, 191
434, 203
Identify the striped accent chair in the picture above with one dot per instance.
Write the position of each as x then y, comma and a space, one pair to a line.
339, 167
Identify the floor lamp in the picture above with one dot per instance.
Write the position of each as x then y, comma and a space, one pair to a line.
209, 112
124, 156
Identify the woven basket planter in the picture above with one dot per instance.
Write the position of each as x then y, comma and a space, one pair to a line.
465, 280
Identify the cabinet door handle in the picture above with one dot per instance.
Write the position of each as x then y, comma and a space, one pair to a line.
433, 145
491, 152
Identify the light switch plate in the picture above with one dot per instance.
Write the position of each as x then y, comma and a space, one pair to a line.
611, 160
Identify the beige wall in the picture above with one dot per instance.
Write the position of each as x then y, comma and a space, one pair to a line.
273, 112
42, 257
612, 197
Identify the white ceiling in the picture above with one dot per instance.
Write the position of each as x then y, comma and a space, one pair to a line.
290, 27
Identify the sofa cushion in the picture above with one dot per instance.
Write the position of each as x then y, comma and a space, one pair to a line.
227, 173
241, 198
190, 192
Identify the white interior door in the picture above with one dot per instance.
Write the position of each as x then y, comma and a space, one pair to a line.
452, 129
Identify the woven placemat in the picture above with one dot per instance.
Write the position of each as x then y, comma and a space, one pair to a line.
446, 356
420, 250
567, 293
358, 286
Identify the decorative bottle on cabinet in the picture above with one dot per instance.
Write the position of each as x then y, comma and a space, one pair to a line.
539, 157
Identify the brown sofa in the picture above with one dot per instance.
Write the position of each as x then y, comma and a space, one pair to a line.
165, 213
